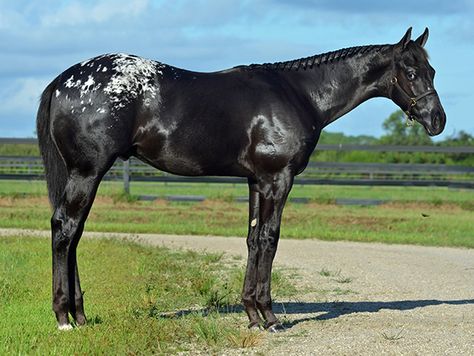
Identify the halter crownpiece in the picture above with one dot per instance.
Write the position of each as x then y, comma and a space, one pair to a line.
412, 100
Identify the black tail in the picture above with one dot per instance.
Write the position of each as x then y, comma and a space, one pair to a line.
55, 169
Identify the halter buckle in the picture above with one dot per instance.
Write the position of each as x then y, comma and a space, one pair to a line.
394, 80
409, 119
412, 102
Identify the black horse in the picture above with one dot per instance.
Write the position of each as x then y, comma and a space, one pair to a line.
261, 122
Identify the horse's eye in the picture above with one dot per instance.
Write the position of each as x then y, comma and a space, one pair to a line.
411, 75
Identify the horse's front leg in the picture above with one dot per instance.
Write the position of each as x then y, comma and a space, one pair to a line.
272, 201
250, 283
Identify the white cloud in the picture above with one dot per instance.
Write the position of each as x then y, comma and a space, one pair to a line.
22, 95
18, 104
77, 13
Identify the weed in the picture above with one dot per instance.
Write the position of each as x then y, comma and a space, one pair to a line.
246, 338
437, 202
339, 291
217, 299
123, 197
342, 279
208, 331
392, 336
328, 273
226, 196
213, 257
467, 205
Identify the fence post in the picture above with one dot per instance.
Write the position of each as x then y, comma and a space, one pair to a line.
126, 176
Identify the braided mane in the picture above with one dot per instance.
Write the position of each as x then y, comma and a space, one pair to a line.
318, 59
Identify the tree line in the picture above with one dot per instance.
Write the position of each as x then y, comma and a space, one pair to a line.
397, 132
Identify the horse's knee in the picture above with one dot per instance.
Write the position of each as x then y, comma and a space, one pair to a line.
268, 243
63, 229
252, 243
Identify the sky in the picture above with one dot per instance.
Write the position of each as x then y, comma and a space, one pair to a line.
40, 39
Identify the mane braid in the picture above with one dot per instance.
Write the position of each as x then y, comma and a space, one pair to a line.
318, 59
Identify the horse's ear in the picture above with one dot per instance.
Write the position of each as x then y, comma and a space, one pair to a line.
405, 39
423, 38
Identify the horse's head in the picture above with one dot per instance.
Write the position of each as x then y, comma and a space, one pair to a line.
411, 84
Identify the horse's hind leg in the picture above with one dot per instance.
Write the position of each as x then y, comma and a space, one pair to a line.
77, 308
67, 225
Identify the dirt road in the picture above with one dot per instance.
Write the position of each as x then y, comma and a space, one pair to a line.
362, 298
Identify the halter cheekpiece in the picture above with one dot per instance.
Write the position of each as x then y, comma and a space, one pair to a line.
411, 100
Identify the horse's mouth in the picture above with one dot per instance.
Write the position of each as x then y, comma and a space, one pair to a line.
429, 130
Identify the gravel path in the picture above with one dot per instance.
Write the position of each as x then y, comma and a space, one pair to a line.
375, 299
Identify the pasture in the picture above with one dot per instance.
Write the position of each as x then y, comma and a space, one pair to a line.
135, 308
424, 216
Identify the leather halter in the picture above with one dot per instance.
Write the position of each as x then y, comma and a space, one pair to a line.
411, 100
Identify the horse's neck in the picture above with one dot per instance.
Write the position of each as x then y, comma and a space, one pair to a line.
337, 88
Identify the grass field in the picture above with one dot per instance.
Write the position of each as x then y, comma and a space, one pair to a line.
425, 216
132, 293
317, 193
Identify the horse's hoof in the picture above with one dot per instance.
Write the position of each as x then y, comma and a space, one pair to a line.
255, 326
275, 328
81, 320
65, 327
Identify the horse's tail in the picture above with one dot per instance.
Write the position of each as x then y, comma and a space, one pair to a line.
55, 168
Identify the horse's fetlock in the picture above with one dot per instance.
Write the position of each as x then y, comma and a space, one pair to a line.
60, 303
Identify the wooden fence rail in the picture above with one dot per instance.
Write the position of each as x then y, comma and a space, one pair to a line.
335, 173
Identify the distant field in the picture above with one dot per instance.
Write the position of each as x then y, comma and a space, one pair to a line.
228, 192
425, 216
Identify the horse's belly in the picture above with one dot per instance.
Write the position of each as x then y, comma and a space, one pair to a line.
179, 160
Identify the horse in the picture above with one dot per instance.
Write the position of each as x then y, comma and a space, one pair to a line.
259, 121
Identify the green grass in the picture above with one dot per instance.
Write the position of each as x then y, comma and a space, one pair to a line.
132, 295
424, 216
228, 192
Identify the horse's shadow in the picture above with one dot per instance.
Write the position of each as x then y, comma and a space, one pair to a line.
326, 310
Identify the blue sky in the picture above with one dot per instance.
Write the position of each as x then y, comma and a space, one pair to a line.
40, 39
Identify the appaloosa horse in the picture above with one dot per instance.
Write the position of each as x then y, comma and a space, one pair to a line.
261, 122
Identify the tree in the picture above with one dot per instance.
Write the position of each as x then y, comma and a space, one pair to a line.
461, 138
399, 133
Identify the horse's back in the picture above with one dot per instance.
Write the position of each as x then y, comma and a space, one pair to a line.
221, 123
179, 121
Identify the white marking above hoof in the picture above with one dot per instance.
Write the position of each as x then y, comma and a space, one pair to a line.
253, 223
273, 329
65, 327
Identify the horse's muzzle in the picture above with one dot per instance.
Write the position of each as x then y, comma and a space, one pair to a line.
437, 124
